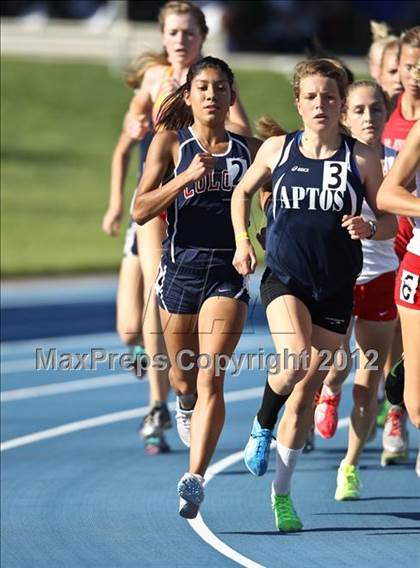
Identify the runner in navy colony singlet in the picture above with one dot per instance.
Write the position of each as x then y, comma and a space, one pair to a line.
192, 168
319, 178
184, 30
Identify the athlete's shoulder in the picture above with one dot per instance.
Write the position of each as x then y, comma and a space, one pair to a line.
155, 72
360, 149
166, 138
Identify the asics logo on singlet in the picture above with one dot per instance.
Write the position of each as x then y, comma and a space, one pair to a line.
299, 169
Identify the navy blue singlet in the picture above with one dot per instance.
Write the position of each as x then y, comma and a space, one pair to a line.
306, 244
200, 229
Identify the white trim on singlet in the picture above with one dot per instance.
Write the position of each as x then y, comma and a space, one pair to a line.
181, 146
159, 284
285, 154
352, 193
174, 233
234, 139
180, 153
229, 148
276, 187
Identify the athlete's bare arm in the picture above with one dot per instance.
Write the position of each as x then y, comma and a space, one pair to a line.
111, 222
393, 194
370, 170
258, 175
153, 197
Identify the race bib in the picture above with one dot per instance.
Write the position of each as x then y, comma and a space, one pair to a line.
409, 284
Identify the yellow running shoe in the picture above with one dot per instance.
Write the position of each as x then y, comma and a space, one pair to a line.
348, 483
285, 514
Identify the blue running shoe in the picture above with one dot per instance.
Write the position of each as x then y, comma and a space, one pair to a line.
191, 493
257, 450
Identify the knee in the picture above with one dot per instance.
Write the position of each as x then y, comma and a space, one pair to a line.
208, 384
363, 396
300, 404
286, 379
179, 381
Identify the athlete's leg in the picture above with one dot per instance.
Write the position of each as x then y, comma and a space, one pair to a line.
373, 341
181, 339
297, 417
327, 402
221, 321
410, 326
151, 236
290, 325
130, 301
337, 376
294, 426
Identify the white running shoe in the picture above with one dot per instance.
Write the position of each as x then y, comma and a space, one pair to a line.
183, 423
395, 437
191, 493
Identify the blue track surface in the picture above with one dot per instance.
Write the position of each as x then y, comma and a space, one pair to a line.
92, 497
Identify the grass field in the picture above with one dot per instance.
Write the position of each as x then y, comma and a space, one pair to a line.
59, 123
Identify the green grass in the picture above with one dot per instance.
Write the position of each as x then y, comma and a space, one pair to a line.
59, 124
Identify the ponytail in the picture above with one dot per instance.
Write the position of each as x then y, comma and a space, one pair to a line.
267, 127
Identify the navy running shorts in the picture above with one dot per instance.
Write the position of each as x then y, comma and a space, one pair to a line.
333, 314
183, 289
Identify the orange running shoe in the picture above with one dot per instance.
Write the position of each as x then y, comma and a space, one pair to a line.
326, 413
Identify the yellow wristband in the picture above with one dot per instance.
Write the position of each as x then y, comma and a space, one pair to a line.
241, 237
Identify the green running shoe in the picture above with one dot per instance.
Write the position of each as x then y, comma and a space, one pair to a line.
285, 514
383, 408
348, 483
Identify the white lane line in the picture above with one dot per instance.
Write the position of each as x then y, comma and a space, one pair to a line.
112, 418
203, 531
69, 386
18, 366
198, 525
98, 340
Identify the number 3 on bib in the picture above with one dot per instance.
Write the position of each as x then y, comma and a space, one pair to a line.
335, 176
409, 284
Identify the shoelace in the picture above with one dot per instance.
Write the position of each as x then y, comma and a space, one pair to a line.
186, 420
352, 478
286, 509
262, 438
332, 400
394, 417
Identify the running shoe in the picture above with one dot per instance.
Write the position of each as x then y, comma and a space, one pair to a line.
183, 423
191, 494
140, 361
348, 483
326, 413
284, 513
156, 444
310, 441
395, 437
257, 450
156, 421
383, 408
